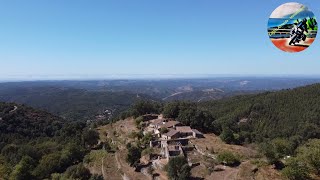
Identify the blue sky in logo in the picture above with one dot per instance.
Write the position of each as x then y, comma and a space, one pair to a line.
290, 14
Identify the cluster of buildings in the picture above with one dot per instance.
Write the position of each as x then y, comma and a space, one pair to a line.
168, 129
171, 135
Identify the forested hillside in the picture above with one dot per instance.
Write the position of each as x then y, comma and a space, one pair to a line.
36, 145
254, 118
285, 113
71, 104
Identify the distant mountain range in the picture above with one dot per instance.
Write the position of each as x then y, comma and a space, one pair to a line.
84, 100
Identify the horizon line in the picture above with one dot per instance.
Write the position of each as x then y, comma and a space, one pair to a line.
21, 78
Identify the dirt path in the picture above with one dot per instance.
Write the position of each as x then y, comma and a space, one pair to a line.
102, 169
123, 128
174, 94
123, 175
14, 109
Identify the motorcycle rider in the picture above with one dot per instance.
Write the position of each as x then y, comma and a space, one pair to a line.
294, 29
298, 30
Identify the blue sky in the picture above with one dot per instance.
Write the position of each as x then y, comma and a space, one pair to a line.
76, 38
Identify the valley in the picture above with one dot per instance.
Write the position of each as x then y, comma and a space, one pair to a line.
268, 135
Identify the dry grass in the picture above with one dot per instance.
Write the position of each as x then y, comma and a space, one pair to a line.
246, 171
213, 144
94, 162
119, 133
267, 173
117, 167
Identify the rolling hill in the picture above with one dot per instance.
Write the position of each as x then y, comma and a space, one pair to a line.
286, 113
35, 144
69, 103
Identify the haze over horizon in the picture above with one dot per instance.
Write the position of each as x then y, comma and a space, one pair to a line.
151, 77
47, 40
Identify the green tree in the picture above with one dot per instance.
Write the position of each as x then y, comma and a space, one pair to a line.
164, 130
146, 139
138, 122
143, 107
90, 137
134, 155
268, 150
70, 154
10, 152
283, 147
228, 158
96, 177
56, 176
77, 172
276, 150
23, 169
48, 164
310, 153
296, 170
178, 169
227, 136
4, 168
171, 110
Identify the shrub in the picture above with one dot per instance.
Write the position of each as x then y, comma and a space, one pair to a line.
296, 170
77, 172
178, 169
228, 158
227, 136
310, 153
133, 156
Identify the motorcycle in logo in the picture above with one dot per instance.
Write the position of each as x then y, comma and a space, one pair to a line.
297, 32
292, 27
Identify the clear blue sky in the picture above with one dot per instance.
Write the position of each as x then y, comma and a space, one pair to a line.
99, 37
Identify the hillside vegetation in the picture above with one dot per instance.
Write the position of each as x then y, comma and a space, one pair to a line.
37, 145
287, 113
68, 103
284, 125
255, 118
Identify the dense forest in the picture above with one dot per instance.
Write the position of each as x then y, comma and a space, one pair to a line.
37, 145
287, 113
292, 114
83, 100
256, 118
69, 103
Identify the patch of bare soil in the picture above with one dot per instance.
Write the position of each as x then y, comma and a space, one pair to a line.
227, 173
212, 144
268, 173
128, 171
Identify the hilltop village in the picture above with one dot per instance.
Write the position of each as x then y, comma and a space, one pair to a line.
143, 147
171, 136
